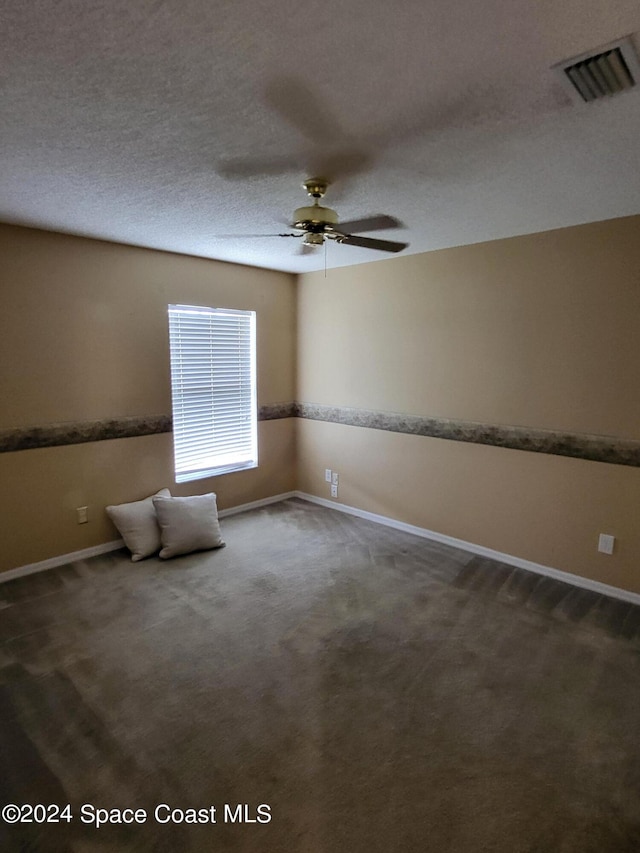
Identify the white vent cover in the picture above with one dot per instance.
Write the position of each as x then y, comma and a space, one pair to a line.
599, 74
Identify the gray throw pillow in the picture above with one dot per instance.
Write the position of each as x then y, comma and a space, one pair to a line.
138, 525
188, 524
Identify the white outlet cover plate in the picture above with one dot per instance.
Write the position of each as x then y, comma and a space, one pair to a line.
606, 543
327, 474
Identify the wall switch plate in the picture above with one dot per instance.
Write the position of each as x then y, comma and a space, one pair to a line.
606, 543
334, 478
82, 513
334, 490
327, 474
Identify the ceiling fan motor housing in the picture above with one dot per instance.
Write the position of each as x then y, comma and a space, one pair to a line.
314, 218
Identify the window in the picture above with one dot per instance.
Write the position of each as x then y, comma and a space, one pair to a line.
213, 390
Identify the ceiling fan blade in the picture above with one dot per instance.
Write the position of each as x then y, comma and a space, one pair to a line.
370, 243
371, 223
250, 236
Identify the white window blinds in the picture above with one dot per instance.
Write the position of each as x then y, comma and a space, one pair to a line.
213, 387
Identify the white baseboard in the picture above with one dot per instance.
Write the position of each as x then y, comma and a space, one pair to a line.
509, 559
105, 547
274, 499
62, 560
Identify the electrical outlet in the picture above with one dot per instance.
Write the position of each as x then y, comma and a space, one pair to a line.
334, 490
606, 543
334, 478
82, 513
327, 474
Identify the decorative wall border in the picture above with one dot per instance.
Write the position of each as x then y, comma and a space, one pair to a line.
81, 432
276, 411
596, 448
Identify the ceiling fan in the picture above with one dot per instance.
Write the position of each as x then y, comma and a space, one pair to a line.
316, 224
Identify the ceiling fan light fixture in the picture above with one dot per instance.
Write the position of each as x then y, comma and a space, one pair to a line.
311, 239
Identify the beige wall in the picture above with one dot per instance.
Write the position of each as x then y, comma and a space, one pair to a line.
83, 335
539, 331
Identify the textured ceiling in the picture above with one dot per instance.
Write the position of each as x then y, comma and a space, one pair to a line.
170, 123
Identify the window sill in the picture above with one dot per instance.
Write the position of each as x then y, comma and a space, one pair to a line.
203, 474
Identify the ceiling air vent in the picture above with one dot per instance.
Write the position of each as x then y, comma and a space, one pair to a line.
597, 75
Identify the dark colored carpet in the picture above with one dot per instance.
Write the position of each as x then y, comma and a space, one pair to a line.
378, 691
